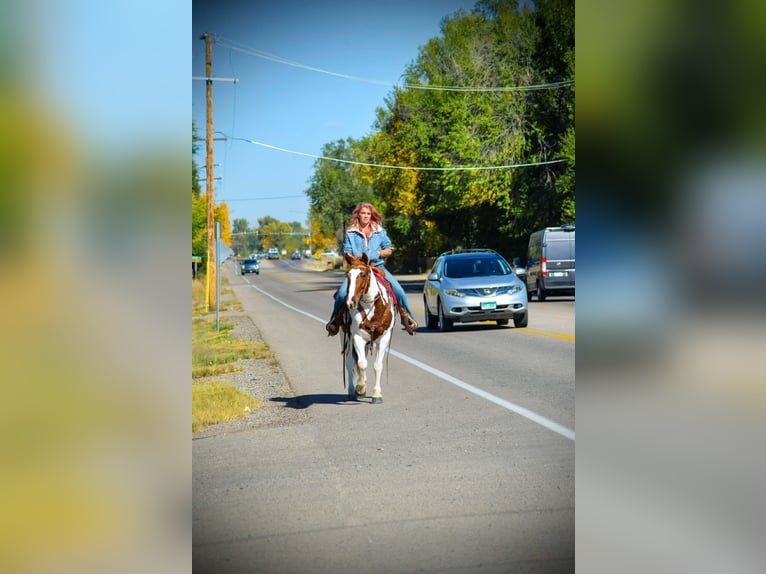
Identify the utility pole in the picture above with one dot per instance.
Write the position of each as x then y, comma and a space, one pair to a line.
211, 291
210, 275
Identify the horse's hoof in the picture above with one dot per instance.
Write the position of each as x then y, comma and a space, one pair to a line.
361, 391
377, 400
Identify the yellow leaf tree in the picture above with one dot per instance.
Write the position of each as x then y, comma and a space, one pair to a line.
221, 215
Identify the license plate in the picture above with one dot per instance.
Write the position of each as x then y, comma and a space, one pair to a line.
488, 305
559, 274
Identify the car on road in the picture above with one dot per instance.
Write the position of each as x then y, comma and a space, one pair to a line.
295, 255
250, 266
519, 268
273, 253
550, 268
473, 285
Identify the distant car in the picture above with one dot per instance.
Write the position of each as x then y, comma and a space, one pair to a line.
295, 255
473, 285
260, 255
273, 253
250, 266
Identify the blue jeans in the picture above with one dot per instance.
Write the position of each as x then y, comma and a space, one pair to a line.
401, 298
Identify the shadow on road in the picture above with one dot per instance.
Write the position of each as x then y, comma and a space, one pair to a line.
305, 401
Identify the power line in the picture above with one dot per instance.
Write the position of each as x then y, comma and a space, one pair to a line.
457, 168
262, 198
223, 42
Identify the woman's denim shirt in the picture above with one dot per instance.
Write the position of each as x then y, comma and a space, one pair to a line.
355, 243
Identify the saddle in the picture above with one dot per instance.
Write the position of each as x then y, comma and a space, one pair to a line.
381, 276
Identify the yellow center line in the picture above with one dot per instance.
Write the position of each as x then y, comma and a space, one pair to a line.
565, 336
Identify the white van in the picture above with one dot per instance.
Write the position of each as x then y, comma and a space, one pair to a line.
551, 262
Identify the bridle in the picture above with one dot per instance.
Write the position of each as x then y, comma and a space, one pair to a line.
361, 285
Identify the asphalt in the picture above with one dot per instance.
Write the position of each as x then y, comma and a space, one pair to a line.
419, 484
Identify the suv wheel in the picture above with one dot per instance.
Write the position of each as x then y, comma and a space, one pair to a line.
444, 323
541, 294
432, 321
520, 320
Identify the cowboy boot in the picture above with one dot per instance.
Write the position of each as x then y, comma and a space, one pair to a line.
409, 324
333, 325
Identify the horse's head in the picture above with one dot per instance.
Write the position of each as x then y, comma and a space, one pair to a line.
358, 274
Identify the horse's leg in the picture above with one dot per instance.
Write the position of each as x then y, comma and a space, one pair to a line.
361, 363
380, 350
350, 366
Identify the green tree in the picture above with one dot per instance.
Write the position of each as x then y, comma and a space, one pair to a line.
273, 232
239, 233
199, 210
498, 45
336, 187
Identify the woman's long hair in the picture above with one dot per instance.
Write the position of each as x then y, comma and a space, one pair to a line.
375, 217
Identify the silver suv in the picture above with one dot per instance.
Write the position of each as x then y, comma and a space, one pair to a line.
473, 285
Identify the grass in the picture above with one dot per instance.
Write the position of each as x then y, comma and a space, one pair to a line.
215, 352
216, 402
213, 349
224, 303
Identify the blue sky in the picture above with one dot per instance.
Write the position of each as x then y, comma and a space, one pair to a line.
294, 108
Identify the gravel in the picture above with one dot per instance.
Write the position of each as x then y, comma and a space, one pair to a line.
262, 379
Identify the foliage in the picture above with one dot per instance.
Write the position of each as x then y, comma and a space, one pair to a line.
239, 232
336, 188
199, 212
500, 43
222, 215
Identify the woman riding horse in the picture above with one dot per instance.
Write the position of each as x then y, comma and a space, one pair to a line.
368, 332
366, 235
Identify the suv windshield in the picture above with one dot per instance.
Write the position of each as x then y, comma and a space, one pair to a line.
457, 268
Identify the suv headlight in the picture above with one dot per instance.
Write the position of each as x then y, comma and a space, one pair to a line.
510, 289
454, 293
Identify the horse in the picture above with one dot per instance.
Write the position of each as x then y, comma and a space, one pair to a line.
367, 325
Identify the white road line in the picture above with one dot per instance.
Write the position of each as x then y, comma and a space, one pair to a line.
518, 409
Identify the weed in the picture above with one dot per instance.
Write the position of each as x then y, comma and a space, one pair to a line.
211, 347
216, 402
214, 352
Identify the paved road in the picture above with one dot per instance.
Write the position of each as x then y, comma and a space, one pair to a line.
467, 466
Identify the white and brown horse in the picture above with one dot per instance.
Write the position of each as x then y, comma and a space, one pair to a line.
367, 325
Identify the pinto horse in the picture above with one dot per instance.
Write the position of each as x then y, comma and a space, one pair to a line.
367, 326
